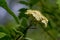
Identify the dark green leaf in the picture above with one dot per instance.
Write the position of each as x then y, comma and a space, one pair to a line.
22, 13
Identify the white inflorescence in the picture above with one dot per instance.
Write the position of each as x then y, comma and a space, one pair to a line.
38, 16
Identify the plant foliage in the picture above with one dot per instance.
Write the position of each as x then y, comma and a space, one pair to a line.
50, 10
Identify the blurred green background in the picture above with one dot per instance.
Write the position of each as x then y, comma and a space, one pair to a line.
50, 9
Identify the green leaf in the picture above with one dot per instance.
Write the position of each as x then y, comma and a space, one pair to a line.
2, 2
33, 2
5, 6
23, 2
58, 2
2, 34
3, 29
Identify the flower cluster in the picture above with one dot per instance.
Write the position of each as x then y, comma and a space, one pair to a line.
38, 16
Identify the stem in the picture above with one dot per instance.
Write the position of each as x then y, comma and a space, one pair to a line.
12, 14
25, 31
48, 33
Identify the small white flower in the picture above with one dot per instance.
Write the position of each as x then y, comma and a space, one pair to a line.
38, 16
45, 22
